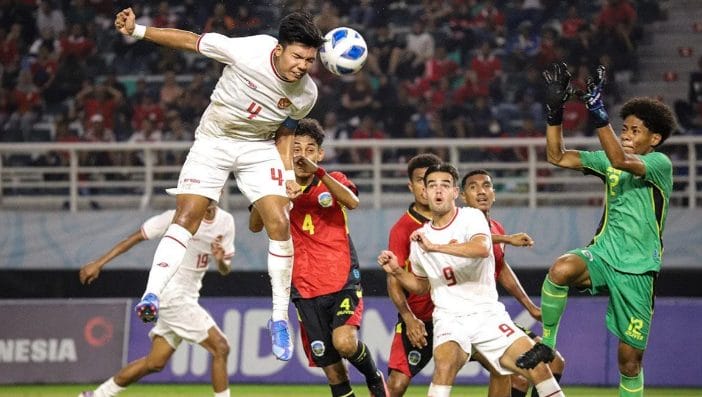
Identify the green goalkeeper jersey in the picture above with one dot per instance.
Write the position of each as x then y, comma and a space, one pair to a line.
630, 234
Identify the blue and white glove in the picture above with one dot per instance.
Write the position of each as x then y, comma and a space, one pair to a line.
593, 98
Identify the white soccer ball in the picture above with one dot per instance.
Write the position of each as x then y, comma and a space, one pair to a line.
344, 52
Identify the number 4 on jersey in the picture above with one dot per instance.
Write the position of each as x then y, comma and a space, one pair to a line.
254, 109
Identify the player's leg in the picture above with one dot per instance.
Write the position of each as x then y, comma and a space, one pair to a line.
316, 337
259, 175
499, 385
406, 360
346, 313
218, 346
569, 269
161, 351
338, 377
631, 377
201, 179
520, 386
629, 315
540, 375
449, 358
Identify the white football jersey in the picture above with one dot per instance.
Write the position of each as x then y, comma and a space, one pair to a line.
187, 281
251, 100
459, 285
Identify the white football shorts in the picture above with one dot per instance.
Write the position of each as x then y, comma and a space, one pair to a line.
256, 165
489, 333
185, 320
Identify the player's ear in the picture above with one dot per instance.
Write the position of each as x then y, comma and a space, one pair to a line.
278, 51
320, 155
655, 139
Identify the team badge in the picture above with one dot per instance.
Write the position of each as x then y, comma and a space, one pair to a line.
325, 199
414, 357
284, 103
588, 254
356, 274
317, 348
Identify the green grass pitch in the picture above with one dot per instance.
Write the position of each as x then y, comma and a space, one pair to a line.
179, 390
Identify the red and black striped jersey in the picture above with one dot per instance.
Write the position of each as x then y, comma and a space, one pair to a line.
325, 259
399, 244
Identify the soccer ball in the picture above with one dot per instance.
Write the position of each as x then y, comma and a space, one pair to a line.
344, 51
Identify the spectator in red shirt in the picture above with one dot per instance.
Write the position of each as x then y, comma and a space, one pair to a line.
77, 43
366, 130
488, 70
28, 104
616, 22
570, 25
98, 99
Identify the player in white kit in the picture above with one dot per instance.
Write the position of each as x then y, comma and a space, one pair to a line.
181, 316
452, 258
247, 129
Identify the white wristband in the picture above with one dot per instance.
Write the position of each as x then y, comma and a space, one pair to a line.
289, 175
139, 31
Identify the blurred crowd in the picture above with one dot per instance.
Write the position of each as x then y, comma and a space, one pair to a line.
436, 68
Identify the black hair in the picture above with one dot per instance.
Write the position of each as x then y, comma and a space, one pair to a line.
299, 27
471, 173
311, 128
656, 116
423, 160
443, 167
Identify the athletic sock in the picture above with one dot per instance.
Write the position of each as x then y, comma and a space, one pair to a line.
223, 393
280, 262
553, 301
549, 388
363, 361
439, 390
169, 254
535, 393
108, 389
342, 390
631, 386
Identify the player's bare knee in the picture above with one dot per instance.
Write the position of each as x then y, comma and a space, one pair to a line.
397, 385
345, 343
629, 368
561, 272
221, 347
277, 226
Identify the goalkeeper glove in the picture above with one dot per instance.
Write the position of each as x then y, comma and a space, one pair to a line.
593, 98
558, 90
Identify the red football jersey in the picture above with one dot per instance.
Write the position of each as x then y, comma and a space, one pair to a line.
498, 249
325, 260
421, 305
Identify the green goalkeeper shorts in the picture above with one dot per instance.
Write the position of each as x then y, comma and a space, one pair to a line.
631, 298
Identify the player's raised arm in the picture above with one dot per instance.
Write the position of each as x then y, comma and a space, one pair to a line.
611, 145
341, 193
174, 38
388, 262
557, 78
479, 246
91, 270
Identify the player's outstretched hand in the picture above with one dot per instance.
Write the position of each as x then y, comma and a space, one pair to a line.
558, 90
535, 313
124, 21
593, 97
416, 332
89, 272
388, 261
520, 240
307, 165
292, 189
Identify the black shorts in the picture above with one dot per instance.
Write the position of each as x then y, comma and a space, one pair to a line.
406, 358
319, 316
